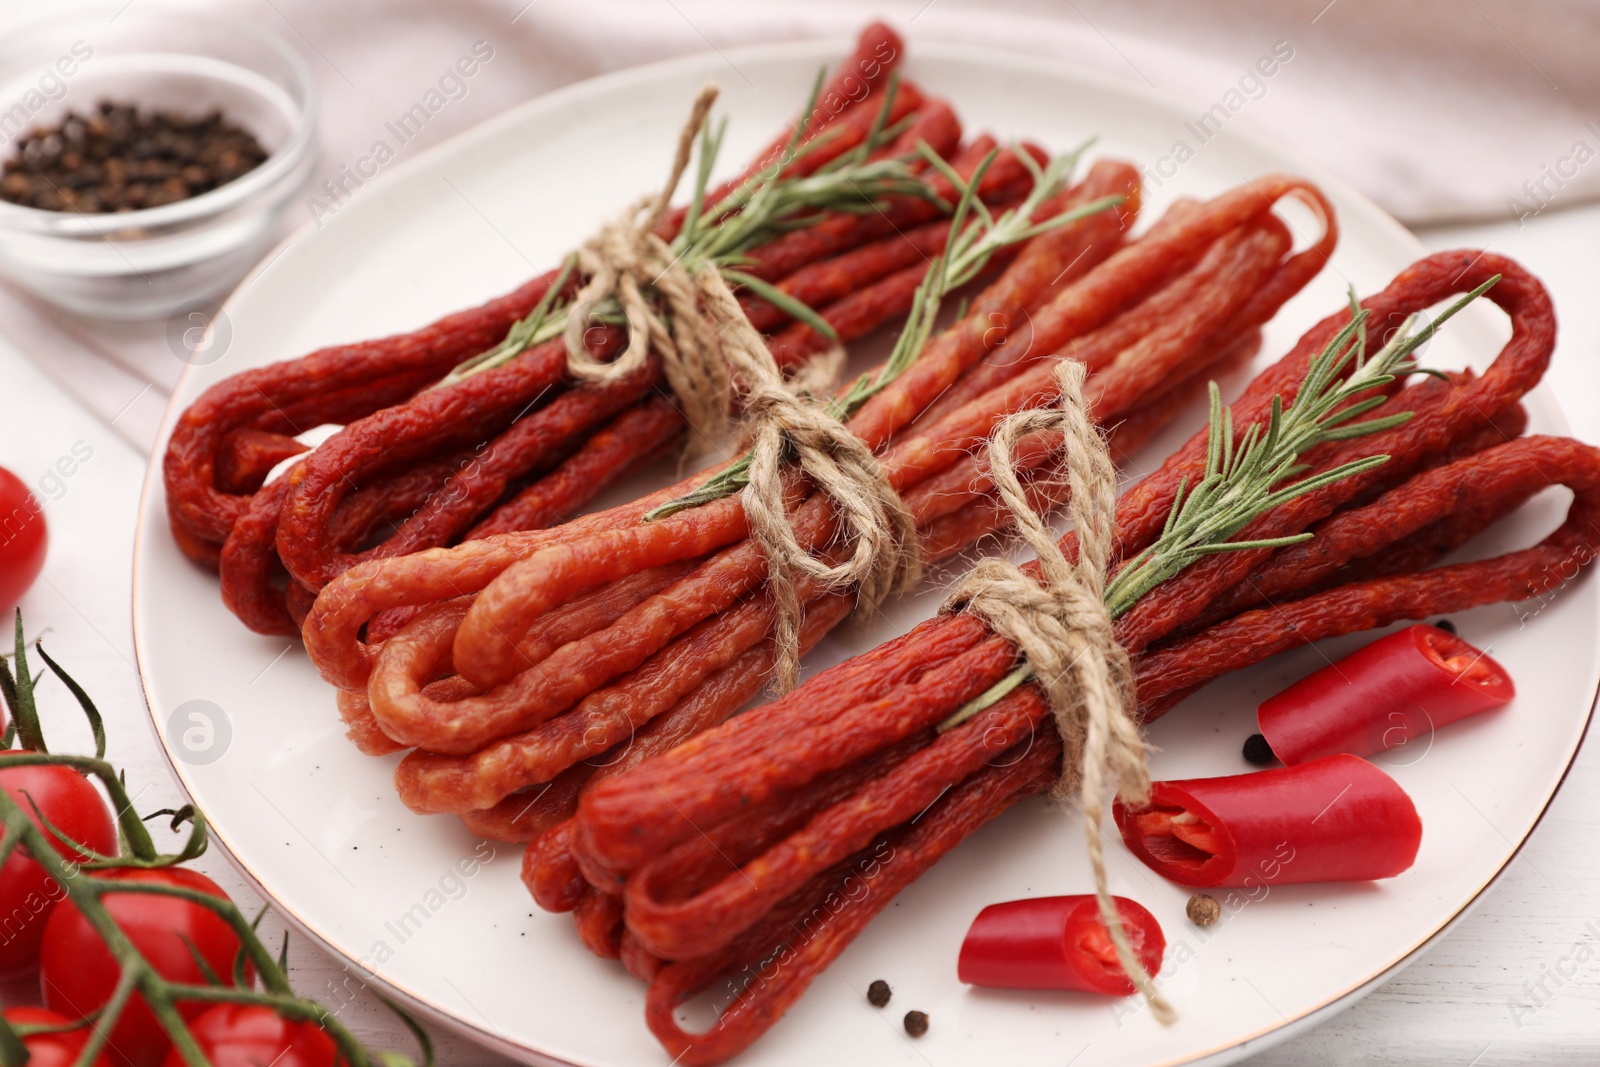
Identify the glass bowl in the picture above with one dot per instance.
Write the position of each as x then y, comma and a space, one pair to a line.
144, 264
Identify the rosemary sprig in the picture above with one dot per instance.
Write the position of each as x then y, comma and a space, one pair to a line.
770, 203
721, 234
975, 236
536, 328
85, 886
1250, 474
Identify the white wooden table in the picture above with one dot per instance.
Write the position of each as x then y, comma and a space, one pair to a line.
1518, 981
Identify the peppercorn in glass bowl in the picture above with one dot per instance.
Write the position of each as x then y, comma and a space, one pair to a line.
150, 156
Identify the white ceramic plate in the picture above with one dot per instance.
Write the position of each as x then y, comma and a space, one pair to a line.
443, 920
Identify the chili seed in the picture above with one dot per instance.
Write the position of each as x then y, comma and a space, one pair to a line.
878, 993
1257, 751
1203, 909
916, 1023
119, 158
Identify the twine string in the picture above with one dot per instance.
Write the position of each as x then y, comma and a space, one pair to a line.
1064, 631
708, 350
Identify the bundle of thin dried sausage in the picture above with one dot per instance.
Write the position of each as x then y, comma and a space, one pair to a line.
797, 794
519, 446
627, 637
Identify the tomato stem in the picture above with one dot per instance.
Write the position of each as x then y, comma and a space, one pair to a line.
96, 724
135, 836
18, 693
84, 890
100, 1035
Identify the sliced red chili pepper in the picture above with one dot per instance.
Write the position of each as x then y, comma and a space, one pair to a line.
1335, 819
1057, 943
1383, 695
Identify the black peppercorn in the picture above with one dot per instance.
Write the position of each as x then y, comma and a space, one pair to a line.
122, 159
1446, 625
916, 1023
1257, 751
878, 993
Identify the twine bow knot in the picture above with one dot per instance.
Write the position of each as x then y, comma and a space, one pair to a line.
625, 259
1064, 631
708, 349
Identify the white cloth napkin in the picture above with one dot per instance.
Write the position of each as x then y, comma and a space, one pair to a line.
1438, 109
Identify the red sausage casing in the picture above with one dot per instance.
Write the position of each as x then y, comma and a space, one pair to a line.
1382, 695
1334, 819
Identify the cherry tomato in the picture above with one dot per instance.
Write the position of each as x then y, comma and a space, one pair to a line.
22, 539
246, 1035
77, 973
52, 1050
27, 894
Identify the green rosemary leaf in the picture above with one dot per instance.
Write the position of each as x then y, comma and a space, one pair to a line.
1264, 542
1249, 475
975, 235
1274, 424
781, 300
985, 216
893, 131
1410, 344
880, 120
1066, 218
763, 206
709, 142
799, 132
1036, 172
1214, 430
940, 164
1370, 426
988, 698
1177, 506
531, 330
1318, 481
1353, 411
727, 482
